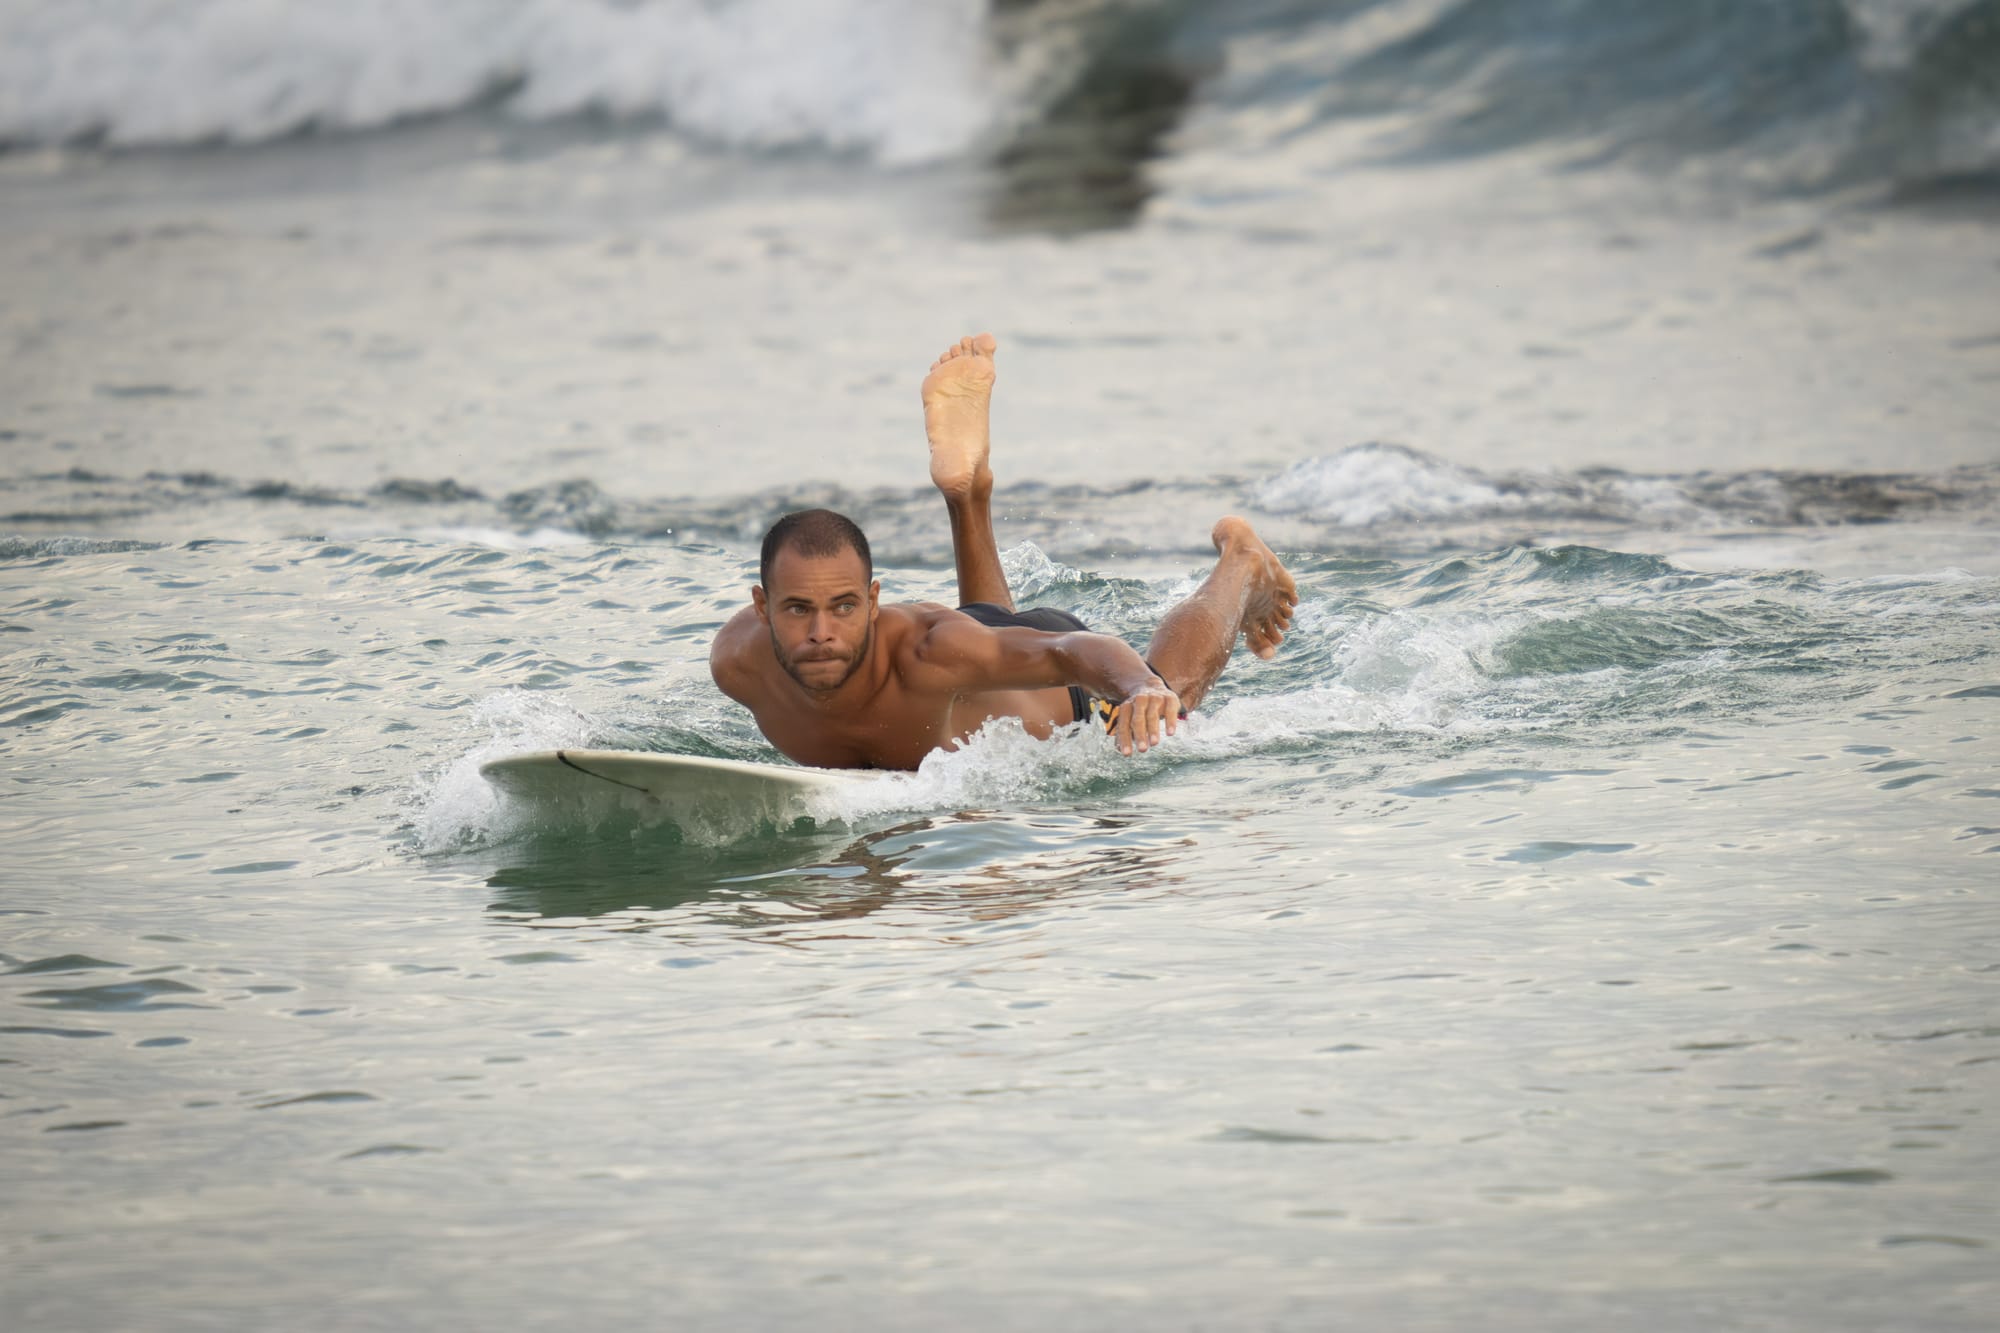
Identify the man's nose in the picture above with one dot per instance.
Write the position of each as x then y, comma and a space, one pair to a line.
821, 627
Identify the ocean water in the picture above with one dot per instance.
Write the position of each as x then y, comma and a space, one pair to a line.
1587, 920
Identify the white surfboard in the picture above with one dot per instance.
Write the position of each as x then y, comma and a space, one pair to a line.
689, 789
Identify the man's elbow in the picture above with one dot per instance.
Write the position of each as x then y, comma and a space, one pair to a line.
1078, 654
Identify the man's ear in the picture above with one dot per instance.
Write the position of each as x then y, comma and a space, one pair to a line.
874, 598
757, 600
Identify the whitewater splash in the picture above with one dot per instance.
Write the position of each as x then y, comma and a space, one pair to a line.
1549, 644
453, 806
1413, 672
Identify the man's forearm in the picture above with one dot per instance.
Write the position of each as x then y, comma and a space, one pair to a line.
1105, 665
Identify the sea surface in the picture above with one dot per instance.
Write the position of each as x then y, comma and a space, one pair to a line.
1590, 919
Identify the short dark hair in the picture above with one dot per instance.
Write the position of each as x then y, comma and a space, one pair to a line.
814, 532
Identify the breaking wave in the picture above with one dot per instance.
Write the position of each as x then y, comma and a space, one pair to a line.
1797, 91
901, 80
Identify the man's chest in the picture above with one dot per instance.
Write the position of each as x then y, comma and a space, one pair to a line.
894, 732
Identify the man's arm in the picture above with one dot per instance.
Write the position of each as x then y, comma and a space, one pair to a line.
957, 653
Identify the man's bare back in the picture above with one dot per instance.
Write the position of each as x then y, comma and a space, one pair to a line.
837, 680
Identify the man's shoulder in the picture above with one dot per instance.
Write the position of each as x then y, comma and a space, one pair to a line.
732, 656
737, 632
919, 616
941, 644
914, 635
914, 623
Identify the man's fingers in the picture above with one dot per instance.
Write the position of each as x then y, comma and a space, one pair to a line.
1128, 728
1144, 721
1121, 727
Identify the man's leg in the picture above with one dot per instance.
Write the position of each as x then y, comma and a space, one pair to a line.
958, 395
1249, 594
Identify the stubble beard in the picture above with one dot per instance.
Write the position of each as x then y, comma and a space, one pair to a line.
853, 665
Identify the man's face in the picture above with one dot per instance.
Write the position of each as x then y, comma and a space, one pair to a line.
821, 612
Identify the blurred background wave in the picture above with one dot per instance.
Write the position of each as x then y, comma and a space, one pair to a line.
1787, 94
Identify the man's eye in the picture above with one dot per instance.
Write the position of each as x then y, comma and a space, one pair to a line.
845, 608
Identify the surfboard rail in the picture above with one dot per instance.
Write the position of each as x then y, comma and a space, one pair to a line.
690, 789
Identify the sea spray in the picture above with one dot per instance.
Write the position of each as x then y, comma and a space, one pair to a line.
454, 807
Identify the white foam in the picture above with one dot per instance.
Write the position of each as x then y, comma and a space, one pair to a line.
1420, 671
1407, 671
1373, 483
39, 548
1395, 673
1001, 765
1659, 501
901, 80
1030, 572
998, 765
1385, 483
455, 807
1247, 726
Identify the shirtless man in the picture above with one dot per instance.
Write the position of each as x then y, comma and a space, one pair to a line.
837, 680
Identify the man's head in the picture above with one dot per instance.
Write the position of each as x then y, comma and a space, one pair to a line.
818, 597
816, 533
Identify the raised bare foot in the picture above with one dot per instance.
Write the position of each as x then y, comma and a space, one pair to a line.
957, 395
1271, 594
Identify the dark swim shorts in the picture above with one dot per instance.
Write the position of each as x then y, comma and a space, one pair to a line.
1083, 705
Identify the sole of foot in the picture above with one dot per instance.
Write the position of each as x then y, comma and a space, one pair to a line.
958, 400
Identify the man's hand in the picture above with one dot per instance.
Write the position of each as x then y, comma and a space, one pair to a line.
1138, 723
